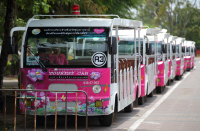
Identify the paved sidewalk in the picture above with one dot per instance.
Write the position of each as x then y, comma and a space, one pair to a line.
181, 110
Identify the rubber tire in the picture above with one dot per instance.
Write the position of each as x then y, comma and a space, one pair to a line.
151, 94
159, 89
178, 77
129, 108
168, 83
135, 103
106, 120
140, 100
40, 120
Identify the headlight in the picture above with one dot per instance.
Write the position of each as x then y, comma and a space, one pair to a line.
30, 87
96, 88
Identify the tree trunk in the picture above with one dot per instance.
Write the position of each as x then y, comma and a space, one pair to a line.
4, 55
170, 23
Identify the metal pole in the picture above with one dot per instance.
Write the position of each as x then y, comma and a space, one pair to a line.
139, 82
76, 112
56, 107
25, 113
35, 111
15, 102
135, 62
4, 110
66, 112
86, 112
45, 112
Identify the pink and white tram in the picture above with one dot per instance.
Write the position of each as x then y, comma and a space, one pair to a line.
127, 46
172, 57
189, 54
179, 58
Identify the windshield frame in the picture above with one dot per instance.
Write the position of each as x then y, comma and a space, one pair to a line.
28, 35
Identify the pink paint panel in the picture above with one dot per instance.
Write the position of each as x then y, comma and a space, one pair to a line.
69, 79
143, 80
189, 62
169, 67
178, 66
161, 73
185, 63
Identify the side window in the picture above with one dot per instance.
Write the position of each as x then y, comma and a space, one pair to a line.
126, 48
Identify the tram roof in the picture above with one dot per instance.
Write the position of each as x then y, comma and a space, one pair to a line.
84, 22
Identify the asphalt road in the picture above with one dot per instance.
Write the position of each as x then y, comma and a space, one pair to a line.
176, 109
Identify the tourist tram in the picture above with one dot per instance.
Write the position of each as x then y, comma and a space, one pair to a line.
94, 65
115, 61
189, 49
179, 58
172, 56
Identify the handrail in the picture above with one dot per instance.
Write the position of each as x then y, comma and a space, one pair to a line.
35, 98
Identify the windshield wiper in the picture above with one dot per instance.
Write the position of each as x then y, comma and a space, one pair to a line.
38, 60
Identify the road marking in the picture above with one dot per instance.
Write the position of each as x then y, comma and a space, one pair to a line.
139, 121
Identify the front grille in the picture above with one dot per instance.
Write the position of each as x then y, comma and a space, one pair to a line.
63, 87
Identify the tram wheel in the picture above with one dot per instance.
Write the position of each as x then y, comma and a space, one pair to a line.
151, 94
40, 120
106, 120
135, 103
159, 89
129, 108
168, 83
140, 100
178, 77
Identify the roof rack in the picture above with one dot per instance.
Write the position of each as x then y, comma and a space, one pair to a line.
126, 23
74, 15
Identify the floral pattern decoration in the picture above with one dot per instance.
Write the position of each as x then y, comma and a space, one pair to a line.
35, 74
95, 75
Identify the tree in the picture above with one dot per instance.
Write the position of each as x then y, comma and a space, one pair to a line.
176, 16
192, 31
7, 27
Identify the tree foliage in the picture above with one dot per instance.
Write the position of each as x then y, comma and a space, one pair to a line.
179, 17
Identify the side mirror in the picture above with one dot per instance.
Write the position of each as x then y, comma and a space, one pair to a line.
10, 45
174, 49
149, 49
112, 44
183, 49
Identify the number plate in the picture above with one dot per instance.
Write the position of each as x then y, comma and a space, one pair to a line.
98, 103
